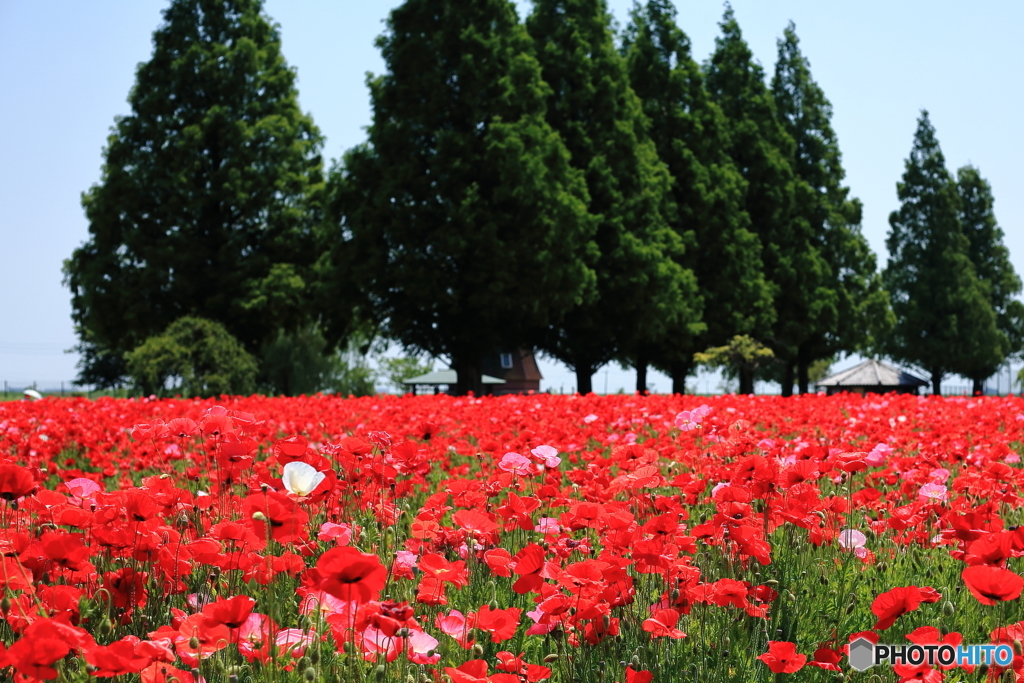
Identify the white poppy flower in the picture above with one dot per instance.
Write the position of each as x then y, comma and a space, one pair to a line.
301, 478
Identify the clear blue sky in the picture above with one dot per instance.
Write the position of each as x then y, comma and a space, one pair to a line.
67, 67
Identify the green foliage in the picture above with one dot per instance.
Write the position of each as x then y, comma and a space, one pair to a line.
945, 319
763, 150
461, 220
296, 363
743, 355
842, 305
193, 357
991, 260
396, 370
644, 293
208, 193
350, 372
690, 133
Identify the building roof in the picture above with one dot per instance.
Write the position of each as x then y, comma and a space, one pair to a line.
449, 377
872, 373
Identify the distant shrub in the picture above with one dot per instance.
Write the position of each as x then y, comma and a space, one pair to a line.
193, 357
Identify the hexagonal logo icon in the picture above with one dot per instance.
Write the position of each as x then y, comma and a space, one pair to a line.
862, 654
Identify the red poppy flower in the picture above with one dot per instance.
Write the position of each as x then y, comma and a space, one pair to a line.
662, 624
475, 671
116, 659
992, 584
500, 623
642, 676
41, 646
232, 612
15, 481
908, 673
182, 427
892, 604
348, 574
529, 565
827, 658
782, 657
286, 519
441, 569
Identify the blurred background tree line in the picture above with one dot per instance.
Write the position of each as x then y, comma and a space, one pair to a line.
541, 182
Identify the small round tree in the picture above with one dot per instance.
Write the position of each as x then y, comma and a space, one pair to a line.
193, 357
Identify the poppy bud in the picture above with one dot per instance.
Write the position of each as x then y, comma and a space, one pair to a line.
5, 605
303, 663
104, 628
309, 674
635, 661
478, 650
402, 633
1018, 647
378, 672
259, 516
948, 608
233, 678
193, 643
553, 657
314, 657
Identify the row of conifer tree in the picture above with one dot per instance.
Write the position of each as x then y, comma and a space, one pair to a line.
538, 182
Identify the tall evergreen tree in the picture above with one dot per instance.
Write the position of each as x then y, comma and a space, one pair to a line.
991, 260
846, 305
204, 207
761, 148
689, 132
461, 218
643, 291
944, 317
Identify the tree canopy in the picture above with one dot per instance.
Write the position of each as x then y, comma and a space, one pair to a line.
192, 357
844, 307
643, 291
461, 219
206, 205
991, 260
690, 134
945, 322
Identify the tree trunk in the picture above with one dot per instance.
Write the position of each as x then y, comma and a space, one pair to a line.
937, 382
746, 381
978, 386
680, 371
584, 377
641, 372
467, 366
803, 365
787, 378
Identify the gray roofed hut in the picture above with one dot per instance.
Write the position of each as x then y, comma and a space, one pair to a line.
450, 378
872, 377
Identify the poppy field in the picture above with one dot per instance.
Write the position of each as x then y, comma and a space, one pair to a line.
615, 539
